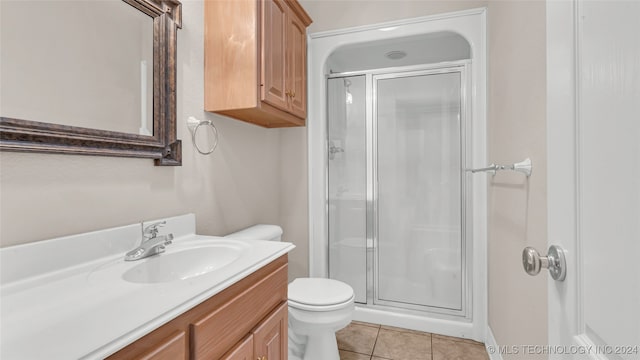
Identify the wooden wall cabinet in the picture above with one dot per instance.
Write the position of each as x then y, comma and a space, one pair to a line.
246, 321
256, 62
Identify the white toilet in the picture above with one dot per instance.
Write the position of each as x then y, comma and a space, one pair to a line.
317, 307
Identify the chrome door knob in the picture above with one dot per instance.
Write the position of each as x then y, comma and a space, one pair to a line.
554, 261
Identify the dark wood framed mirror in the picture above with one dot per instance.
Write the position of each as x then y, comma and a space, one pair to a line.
44, 136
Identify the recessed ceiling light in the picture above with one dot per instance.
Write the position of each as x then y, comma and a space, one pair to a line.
395, 54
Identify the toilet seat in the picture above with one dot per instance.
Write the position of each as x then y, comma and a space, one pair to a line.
319, 294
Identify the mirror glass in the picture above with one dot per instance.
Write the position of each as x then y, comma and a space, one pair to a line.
80, 63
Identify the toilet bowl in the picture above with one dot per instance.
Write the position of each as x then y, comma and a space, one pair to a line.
318, 307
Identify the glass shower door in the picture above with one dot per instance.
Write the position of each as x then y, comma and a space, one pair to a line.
347, 184
419, 222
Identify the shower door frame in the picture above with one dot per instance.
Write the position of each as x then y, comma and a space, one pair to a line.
371, 139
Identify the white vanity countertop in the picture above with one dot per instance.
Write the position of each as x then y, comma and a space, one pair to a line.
87, 311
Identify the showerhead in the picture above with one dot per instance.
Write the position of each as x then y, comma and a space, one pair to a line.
349, 97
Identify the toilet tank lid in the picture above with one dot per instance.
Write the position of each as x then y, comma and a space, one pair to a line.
258, 232
319, 291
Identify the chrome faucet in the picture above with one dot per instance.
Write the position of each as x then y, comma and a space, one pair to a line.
152, 244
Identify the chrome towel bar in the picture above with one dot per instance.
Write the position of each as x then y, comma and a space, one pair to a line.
523, 166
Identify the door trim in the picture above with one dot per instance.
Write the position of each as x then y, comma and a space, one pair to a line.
562, 105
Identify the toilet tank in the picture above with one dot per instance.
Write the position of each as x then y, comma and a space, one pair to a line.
258, 232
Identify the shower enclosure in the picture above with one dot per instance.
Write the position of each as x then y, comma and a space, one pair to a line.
397, 114
397, 191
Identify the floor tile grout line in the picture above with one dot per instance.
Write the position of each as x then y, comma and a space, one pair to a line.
355, 352
374, 343
431, 347
408, 331
457, 339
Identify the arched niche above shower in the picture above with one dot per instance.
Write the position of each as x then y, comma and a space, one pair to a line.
420, 49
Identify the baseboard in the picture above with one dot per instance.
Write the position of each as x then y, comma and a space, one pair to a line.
430, 324
492, 346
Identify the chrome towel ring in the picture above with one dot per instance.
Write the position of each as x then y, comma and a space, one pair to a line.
194, 124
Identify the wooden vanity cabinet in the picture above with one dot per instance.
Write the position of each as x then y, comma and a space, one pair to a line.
255, 61
242, 351
248, 320
268, 341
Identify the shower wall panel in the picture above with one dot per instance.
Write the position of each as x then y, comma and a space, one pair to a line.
347, 183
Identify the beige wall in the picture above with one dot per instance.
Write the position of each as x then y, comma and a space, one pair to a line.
294, 202
44, 195
338, 14
516, 129
517, 207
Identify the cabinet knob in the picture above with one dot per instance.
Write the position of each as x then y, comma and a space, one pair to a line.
293, 94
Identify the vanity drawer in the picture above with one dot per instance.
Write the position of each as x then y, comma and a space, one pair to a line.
172, 348
215, 333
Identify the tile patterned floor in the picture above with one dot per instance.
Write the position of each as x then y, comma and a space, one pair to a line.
364, 341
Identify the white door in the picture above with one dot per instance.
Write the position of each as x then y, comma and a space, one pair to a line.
593, 125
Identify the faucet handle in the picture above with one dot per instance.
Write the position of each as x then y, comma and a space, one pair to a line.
151, 230
168, 239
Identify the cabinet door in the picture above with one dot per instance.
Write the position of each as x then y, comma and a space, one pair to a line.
297, 66
273, 70
270, 338
242, 351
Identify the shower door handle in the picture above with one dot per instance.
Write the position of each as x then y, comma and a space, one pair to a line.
554, 261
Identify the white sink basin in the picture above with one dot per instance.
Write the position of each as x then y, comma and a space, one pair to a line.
185, 261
